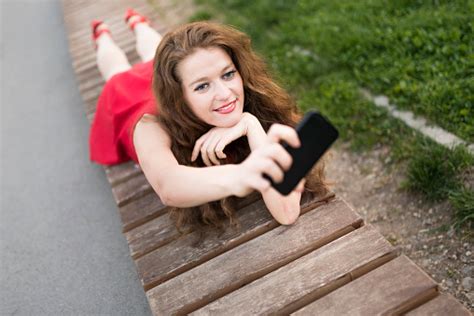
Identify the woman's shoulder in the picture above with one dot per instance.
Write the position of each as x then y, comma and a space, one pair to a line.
150, 131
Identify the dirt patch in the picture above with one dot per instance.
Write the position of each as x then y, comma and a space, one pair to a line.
404, 218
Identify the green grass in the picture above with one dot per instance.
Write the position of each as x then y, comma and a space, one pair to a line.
463, 201
419, 53
435, 170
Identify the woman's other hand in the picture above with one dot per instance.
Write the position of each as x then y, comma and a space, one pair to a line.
211, 145
270, 159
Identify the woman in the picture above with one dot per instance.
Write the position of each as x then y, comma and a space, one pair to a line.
212, 132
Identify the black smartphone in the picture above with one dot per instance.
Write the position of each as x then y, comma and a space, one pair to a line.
316, 135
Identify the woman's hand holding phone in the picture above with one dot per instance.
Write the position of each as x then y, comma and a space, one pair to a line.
270, 159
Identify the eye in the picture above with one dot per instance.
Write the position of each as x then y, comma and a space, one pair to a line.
229, 75
201, 87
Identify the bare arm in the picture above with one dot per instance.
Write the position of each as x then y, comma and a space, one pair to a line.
183, 186
175, 184
285, 209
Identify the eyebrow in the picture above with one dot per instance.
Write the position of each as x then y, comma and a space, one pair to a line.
205, 78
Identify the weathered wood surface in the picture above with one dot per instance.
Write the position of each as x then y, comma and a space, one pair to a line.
182, 254
141, 211
308, 277
252, 259
160, 231
120, 173
393, 288
132, 189
329, 262
442, 305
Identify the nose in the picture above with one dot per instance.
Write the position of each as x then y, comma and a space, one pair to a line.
222, 91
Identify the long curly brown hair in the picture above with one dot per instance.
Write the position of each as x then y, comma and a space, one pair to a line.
265, 99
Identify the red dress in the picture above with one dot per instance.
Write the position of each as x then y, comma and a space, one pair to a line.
125, 97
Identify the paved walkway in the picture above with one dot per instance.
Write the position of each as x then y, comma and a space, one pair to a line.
62, 251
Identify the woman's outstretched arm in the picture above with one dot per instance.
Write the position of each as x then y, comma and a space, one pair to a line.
183, 186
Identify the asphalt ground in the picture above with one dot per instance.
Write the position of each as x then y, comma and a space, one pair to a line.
62, 251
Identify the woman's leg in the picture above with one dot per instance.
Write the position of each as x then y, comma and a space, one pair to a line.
110, 58
147, 39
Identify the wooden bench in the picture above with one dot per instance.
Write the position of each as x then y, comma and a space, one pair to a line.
329, 263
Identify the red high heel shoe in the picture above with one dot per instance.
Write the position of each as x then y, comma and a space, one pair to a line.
141, 19
96, 33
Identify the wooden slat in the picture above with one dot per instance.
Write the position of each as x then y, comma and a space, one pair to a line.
442, 305
141, 210
161, 230
130, 190
166, 262
151, 235
148, 207
90, 83
393, 288
307, 278
252, 259
91, 106
122, 172
88, 74
100, 10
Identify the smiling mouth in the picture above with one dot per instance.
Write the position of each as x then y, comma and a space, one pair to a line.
227, 108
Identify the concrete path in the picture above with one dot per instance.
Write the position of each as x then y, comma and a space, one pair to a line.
62, 251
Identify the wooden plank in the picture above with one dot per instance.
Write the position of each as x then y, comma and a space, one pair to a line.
305, 279
151, 235
141, 210
88, 74
160, 231
90, 98
252, 259
442, 305
102, 10
90, 107
130, 190
393, 288
122, 172
93, 81
183, 254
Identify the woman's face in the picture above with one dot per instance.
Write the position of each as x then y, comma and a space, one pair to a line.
212, 86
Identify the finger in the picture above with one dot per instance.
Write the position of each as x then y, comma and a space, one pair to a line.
281, 156
278, 132
204, 157
300, 186
261, 184
198, 145
274, 171
220, 148
210, 145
